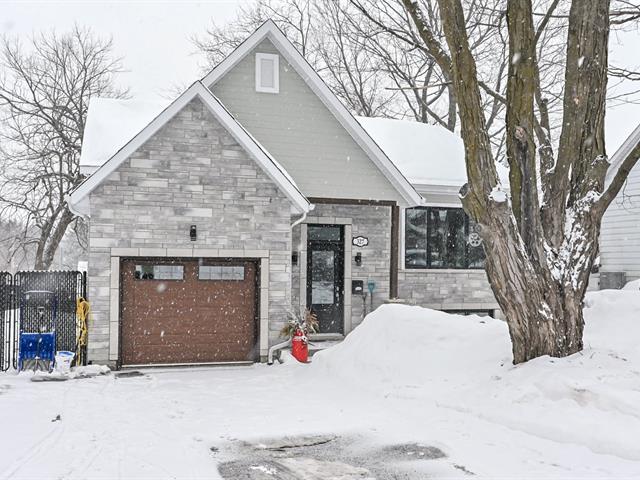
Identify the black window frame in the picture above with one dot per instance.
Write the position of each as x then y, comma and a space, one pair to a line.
428, 248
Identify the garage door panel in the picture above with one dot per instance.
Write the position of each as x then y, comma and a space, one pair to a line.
201, 339
188, 320
156, 354
181, 326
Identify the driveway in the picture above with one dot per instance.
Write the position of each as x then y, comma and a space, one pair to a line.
284, 422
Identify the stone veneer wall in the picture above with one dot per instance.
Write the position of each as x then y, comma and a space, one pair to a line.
438, 289
446, 289
371, 221
190, 172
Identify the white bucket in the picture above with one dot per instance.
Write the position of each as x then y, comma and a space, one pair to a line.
63, 361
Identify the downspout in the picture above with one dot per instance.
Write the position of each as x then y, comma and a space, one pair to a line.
302, 218
276, 348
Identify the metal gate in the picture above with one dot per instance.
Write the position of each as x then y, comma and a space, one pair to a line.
8, 335
16, 306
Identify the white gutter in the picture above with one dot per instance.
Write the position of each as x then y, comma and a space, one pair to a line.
303, 217
80, 209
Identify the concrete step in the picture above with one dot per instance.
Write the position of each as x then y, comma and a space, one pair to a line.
316, 346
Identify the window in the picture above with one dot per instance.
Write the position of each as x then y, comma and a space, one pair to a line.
326, 233
159, 272
220, 272
480, 313
437, 237
267, 73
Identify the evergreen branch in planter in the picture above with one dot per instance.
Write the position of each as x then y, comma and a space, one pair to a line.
306, 322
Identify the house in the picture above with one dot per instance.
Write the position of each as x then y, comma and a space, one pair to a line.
619, 234
256, 193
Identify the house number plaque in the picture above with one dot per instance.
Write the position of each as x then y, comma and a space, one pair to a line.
360, 241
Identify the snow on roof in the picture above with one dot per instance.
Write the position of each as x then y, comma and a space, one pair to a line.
77, 198
111, 123
425, 154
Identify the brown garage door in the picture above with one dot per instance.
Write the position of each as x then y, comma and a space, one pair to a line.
188, 311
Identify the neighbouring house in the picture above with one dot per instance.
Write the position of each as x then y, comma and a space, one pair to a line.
620, 231
256, 193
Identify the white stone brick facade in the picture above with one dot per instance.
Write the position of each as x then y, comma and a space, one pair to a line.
448, 289
371, 221
441, 289
191, 172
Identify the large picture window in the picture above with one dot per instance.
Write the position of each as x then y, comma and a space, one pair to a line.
438, 237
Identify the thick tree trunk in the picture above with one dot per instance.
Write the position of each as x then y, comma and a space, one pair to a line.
539, 251
544, 317
541, 297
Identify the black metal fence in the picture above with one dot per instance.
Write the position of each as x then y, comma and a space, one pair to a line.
7, 324
24, 306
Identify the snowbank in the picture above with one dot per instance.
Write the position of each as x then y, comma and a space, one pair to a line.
632, 285
401, 347
463, 363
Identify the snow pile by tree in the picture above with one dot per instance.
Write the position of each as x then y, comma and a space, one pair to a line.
591, 399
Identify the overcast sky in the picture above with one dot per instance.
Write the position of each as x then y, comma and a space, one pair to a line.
153, 37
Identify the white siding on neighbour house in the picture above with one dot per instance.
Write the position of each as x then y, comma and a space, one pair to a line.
620, 234
301, 133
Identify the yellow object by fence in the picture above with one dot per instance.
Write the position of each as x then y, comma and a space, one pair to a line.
83, 310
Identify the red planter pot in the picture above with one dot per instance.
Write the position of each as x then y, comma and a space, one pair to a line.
300, 347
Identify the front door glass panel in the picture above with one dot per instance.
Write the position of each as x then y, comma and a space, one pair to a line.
322, 277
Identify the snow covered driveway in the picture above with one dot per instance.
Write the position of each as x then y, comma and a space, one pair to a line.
410, 394
184, 423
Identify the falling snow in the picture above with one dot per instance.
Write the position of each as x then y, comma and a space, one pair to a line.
398, 379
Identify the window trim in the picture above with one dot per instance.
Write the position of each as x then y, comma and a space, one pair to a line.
403, 245
275, 58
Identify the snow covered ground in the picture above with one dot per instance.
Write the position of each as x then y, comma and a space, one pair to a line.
407, 379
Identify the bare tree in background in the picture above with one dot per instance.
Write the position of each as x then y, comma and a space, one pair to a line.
45, 89
14, 255
371, 56
374, 58
372, 72
541, 239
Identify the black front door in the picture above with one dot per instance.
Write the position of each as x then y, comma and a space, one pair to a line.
325, 276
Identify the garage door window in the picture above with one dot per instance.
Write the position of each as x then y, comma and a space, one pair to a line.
159, 272
220, 272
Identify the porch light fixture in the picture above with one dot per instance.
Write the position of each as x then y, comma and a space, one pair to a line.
193, 233
358, 259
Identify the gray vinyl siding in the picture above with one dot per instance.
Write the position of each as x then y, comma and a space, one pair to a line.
620, 234
301, 133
